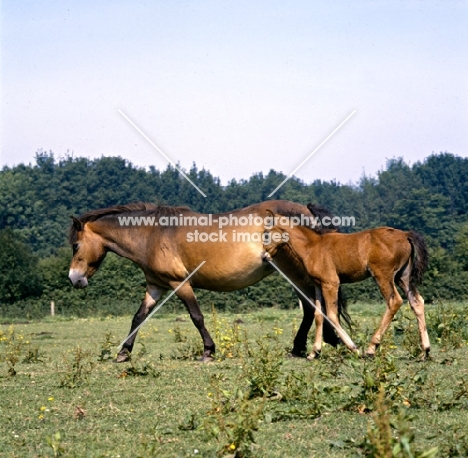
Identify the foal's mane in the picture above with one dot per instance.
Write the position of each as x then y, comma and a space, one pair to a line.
322, 212
143, 208
318, 212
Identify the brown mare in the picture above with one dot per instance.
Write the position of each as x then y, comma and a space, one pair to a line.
331, 258
168, 254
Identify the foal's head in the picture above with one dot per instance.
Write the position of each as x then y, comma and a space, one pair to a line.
276, 234
88, 253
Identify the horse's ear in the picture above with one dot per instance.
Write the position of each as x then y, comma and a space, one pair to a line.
77, 224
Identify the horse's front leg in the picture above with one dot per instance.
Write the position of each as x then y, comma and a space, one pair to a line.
153, 294
187, 296
330, 296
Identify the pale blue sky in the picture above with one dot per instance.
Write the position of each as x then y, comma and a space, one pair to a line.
236, 87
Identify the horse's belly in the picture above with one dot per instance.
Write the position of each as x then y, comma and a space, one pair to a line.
216, 279
231, 270
353, 277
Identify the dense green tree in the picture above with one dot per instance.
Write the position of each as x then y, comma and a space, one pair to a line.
460, 250
19, 276
446, 174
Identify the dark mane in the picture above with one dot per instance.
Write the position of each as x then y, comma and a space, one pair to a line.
321, 212
143, 208
317, 211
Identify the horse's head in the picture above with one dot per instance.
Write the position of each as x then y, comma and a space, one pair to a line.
88, 253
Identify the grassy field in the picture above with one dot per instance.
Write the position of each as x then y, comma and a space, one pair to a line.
62, 396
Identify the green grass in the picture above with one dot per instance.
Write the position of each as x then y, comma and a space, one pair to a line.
68, 399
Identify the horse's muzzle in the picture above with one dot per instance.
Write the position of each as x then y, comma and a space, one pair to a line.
77, 280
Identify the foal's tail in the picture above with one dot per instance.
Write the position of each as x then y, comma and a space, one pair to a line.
420, 259
329, 334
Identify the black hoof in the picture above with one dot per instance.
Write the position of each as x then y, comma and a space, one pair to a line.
298, 353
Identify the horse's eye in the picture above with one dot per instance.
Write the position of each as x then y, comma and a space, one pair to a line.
75, 247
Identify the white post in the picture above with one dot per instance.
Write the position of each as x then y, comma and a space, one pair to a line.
52, 308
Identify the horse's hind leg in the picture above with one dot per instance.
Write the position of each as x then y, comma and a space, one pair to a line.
394, 301
153, 294
300, 341
187, 296
417, 304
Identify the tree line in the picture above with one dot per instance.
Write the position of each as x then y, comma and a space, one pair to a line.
37, 200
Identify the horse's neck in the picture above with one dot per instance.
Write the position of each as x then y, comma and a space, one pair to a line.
123, 241
302, 238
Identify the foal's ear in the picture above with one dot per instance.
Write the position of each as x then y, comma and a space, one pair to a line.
77, 224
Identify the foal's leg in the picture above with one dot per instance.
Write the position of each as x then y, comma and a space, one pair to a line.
394, 301
417, 304
330, 296
152, 296
187, 296
317, 348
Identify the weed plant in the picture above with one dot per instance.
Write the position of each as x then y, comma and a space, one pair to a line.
77, 368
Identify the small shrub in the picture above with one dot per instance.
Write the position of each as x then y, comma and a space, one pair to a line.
13, 346
299, 397
387, 438
232, 420
105, 352
178, 334
78, 368
262, 368
33, 355
190, 350
139, 366
380, 373
447, 326
227, 337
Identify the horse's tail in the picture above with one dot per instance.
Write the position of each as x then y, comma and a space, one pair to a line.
329, 333
420, 259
